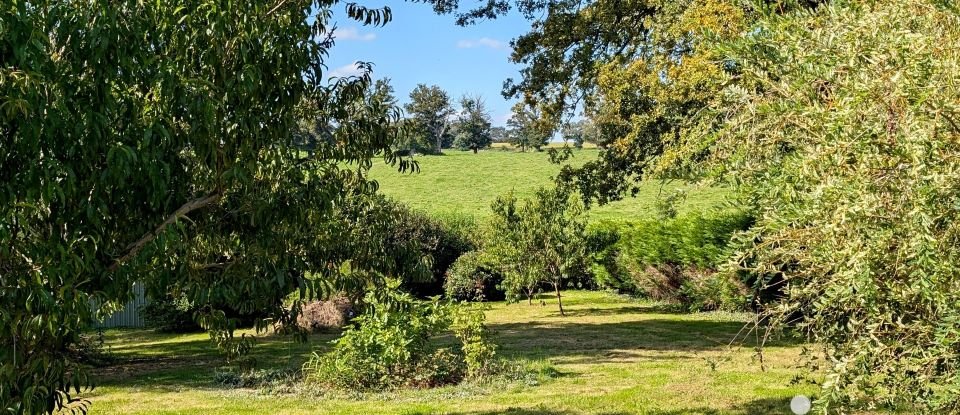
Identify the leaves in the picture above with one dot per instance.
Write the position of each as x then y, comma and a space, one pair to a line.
833, 134
540, 241
115, 115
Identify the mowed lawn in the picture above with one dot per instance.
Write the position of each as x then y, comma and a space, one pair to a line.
610, 355
461, 182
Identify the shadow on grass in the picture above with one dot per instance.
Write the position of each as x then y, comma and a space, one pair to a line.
523, 411
146, 358
767, 406
608, 340
613, 311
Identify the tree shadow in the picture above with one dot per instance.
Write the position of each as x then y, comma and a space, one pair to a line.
141, 360
765, 406
525, 411
613, 311
606, 342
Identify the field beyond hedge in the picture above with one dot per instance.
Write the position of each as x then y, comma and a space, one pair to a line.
461, 182
610, 355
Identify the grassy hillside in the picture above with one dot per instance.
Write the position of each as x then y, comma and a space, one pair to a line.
463, 182
610, 355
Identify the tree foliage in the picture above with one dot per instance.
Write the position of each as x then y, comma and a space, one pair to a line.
432, 114
527, 129
473, 125
539, 241
158, 141
641, 70
499, 135
843, 130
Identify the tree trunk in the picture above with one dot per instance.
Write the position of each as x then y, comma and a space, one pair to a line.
529, 297
474, 150
556, 288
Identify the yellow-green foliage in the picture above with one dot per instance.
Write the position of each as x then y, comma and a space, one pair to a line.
843, 127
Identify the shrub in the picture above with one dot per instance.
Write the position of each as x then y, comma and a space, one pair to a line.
705, 290
443, 240
170, 314
175, 313
474, 277
606, 267
478, 351
692, 240
90, 350
393, 345
324, 315
843, 128
672, 259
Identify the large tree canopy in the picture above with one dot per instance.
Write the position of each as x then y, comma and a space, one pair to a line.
641, 70
473, 125
843, 130
431, 112
836, 120
158, 141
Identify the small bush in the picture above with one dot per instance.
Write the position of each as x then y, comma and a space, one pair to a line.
90, 350
473, 277
393, 345
478, 351
325, 315
710, 291
170, 314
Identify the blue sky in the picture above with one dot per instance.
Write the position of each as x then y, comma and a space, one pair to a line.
418, 46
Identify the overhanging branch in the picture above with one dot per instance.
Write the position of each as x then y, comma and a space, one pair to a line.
134, 248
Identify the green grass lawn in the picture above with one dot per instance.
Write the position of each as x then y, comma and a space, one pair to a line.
466, 183
610, 355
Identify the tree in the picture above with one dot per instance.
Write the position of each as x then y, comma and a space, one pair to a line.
382, 92
377, 98
431, 110
642, 71
415, 139
499, 135
160, 142
842, 129
473, 125
540, 241
527, 129
579, 132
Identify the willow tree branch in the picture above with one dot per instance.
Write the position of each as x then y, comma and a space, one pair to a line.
135, 248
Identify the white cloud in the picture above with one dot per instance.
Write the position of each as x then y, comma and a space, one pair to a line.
351, 33
347, 70
484, 42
